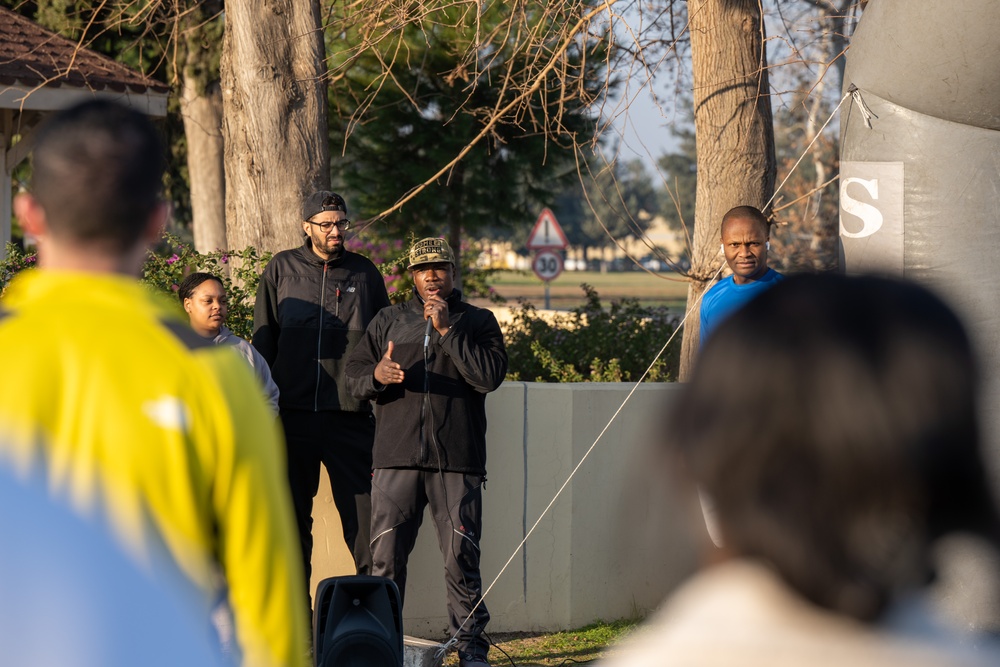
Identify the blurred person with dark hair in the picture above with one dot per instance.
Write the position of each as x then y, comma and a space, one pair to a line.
745, 237
204, 299
833, 420
130, 416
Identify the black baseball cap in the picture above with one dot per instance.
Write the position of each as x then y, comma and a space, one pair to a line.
321, 201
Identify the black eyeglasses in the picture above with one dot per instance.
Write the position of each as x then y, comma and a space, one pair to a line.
328, 225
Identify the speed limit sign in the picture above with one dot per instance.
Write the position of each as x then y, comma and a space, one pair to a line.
547, 265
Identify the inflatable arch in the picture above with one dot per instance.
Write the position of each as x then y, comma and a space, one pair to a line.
920, 162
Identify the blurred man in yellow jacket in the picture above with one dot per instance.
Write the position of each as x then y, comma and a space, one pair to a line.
132, 417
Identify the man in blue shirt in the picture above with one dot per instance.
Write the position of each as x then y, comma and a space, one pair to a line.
744, 234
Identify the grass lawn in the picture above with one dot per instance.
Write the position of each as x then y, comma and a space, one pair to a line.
663, 289
558, 648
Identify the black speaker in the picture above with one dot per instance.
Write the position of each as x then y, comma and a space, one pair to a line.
358, 621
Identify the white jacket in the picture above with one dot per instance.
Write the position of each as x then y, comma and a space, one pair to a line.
741, 613
256, 361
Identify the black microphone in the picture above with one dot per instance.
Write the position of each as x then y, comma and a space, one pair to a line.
427, 373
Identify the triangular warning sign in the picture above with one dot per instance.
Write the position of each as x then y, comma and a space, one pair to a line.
547, 232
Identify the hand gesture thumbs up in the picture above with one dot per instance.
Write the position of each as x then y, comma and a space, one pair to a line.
388, 371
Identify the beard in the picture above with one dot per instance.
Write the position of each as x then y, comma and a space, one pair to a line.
336, 252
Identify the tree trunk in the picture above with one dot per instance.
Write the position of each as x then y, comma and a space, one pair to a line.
202, 114
823, 233
275, 119
734, 135
840, 16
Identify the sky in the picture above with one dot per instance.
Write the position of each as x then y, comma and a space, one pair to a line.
646, 107
654, 107
646, 132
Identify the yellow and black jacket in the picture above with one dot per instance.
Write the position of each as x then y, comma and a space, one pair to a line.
136, 420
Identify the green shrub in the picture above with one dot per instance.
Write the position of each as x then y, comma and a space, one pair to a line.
587, 344
592, 344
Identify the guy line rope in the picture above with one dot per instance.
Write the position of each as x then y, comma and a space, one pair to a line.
638, 382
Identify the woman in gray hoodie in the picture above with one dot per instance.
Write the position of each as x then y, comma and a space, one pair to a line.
204, 299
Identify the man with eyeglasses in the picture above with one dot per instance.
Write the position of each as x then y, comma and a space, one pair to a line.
313, 305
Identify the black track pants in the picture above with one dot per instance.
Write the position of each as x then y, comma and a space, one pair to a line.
341, 441
399, 497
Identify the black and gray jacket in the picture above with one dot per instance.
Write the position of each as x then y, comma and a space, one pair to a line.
449, 431
308, 316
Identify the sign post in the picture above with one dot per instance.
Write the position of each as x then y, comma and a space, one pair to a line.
548, 239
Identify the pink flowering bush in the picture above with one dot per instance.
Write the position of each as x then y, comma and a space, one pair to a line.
390, 258
589, 343
173, 259
168, 264
16, 261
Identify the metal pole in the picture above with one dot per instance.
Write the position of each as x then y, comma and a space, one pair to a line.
547, 306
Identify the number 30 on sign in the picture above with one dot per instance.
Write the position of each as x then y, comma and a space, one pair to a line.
547, 265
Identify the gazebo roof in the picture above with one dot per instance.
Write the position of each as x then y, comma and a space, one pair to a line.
41, 72
34, 59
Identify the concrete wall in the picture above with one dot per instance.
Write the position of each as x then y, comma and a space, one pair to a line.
613, 544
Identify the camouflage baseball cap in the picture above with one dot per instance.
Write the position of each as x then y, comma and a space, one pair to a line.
430, 251
321, 201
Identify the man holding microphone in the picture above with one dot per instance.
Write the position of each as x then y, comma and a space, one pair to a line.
428, 365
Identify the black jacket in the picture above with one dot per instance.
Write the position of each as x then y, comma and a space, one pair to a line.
449, 431
308, 316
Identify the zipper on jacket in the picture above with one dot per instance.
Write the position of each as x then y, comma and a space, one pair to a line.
425, 408
319, 338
